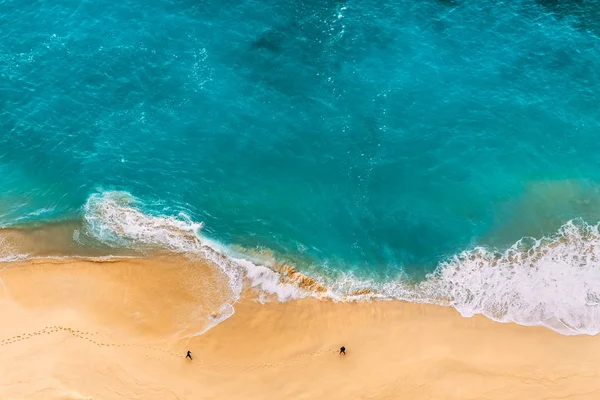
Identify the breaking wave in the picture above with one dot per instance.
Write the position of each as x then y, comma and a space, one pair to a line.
553, 281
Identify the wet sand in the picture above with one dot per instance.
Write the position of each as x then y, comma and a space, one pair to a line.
119, 329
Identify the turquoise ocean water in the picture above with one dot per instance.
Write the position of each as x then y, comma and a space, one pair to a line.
427, 150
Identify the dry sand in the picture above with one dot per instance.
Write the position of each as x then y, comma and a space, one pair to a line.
77, 329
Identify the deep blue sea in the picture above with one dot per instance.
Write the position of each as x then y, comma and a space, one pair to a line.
364, 142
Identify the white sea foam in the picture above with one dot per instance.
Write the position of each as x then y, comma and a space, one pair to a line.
553, 281
14, 257
269, 281
115, 219
8, 253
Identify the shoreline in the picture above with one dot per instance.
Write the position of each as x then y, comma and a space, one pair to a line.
488, 281
120, 328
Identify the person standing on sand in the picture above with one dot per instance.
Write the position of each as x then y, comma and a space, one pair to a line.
342, 350
189, 355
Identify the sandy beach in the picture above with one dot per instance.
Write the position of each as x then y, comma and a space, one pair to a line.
120, 329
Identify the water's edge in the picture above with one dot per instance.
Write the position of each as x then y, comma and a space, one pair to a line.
551, 281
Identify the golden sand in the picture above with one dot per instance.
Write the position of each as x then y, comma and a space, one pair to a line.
79, 329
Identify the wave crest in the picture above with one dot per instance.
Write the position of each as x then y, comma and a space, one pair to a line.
114, 218
553, 281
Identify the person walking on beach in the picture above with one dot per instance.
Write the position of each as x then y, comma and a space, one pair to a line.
189, 355
343, 350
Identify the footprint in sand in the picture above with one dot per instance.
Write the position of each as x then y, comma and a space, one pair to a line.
80, 334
